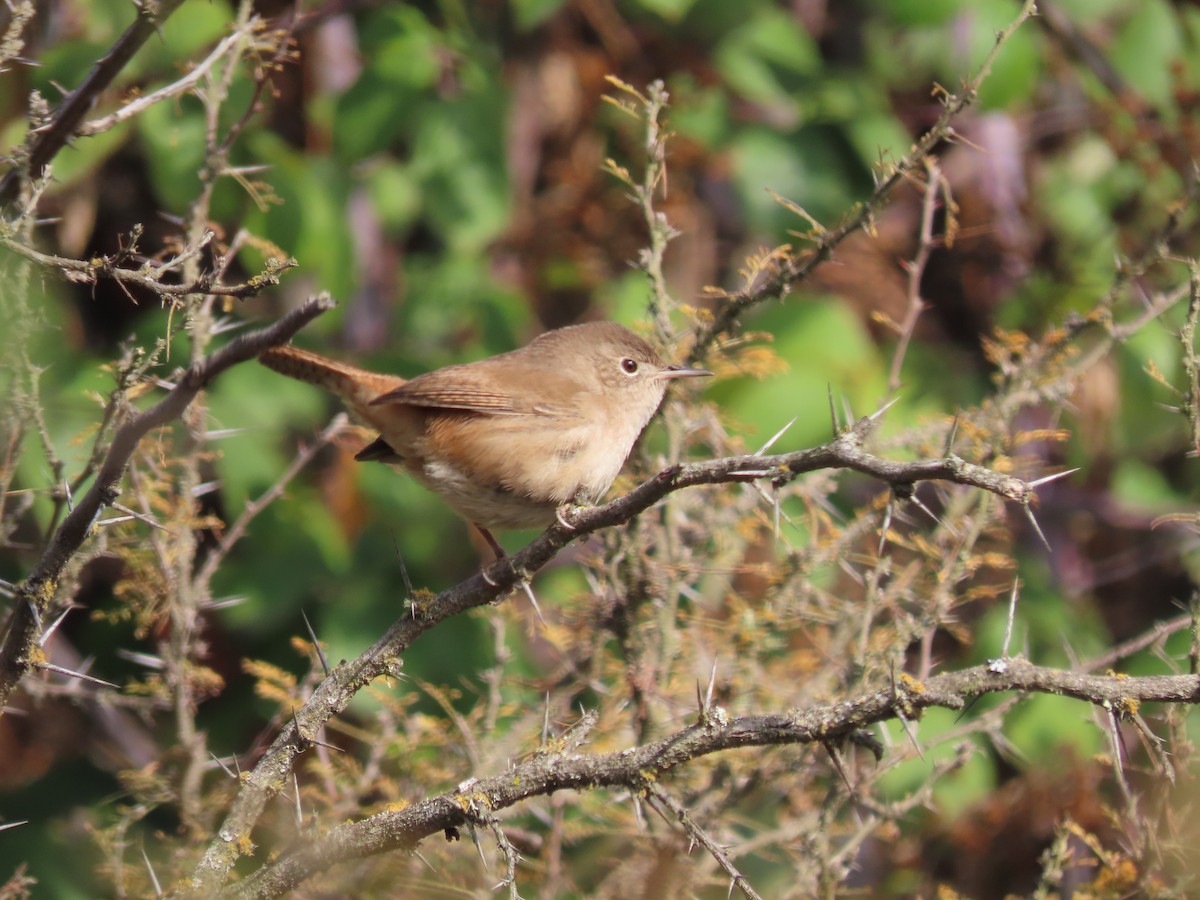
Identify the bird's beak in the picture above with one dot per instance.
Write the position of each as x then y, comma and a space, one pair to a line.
682, 372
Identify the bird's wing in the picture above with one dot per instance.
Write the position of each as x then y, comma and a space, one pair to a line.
484, 387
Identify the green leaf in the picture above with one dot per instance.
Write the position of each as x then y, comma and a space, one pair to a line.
918, 13
173, 137
1147, 49
531, 13
395, 195
310, 222
768, 58
671, 10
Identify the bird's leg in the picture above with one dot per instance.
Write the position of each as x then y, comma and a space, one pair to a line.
523, 583
491, 540
494, 544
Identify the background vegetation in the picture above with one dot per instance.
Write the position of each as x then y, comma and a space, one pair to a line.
834, 206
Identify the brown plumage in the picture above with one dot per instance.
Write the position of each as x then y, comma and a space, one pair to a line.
508, 439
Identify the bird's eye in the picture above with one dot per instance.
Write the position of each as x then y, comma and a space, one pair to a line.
629, 366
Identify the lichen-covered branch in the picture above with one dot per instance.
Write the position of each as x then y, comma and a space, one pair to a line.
335, 693
637, 767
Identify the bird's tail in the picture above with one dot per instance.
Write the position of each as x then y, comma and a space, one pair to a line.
356, 387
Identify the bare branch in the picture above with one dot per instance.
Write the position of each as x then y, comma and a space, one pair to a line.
62, 127
18, 650
635, 768
779, 279
333, 695
90, 271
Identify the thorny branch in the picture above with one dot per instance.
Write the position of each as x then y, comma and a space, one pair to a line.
935, 184
52, 136
698, 835
788, 270
150, 275
335, 693
19, 650
637, 768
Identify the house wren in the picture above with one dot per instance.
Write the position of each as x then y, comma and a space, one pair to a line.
509, 439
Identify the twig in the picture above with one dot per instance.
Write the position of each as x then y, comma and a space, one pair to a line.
237, 530
35, 593
332, 696
180, 86
51, 138
916, 270
632, 768
701, 837
97, 268
778, 278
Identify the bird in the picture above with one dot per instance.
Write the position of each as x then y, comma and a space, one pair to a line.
510, 440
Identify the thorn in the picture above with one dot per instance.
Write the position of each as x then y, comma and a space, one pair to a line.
224, 325
879, 412
206, 487
36, 613
141, 517
327, 746
317, 644
479, 846
225, 603
1046, 480
532, 599
115, 520
417, 854
224, 767
952, 436
848, 409
912, 734
8, 825
244, 170
218, 433
887, 522
299, 809
1012, 614
153, 877
49, 632
1036, 527
833, 411
712, 682
837, 765
916, 501
908, 728
546, 721
780, 433
50, 667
